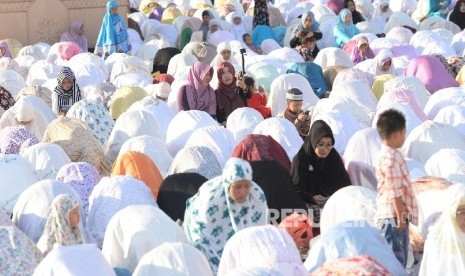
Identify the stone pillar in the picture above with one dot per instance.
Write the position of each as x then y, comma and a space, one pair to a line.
32, 21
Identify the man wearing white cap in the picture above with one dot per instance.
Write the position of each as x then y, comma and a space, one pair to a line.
294, 112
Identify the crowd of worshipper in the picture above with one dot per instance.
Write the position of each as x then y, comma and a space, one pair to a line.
227, 137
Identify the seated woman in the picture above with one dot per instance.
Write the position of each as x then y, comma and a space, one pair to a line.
4, 50
66, 92
76, 35
222, 207
62, 226
356, 15
231, 93
345, 28
224, 51
309, 27
458, 14
197, 94
359, 50
438, 8
317, 169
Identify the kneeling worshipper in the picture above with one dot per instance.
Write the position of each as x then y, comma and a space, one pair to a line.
197, 94
444, 252
317, 169
223, 206
62, 226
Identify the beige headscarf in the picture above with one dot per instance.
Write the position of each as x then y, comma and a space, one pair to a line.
78, 143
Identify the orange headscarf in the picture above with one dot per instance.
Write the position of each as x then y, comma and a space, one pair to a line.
299, 227
140, 166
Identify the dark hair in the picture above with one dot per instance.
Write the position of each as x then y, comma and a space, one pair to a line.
249, 81
308, 39
245, 35
390, 122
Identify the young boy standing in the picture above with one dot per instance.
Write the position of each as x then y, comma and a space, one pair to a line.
395, 201
294, 112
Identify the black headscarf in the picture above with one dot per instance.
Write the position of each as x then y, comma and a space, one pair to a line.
276, 183
175, 190
162, 59
313, 175
458, 17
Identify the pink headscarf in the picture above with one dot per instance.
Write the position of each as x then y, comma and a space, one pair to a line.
403, 96
199, 96
4, 45
431, 72
355, 53
335, 5
67, 50
73, 35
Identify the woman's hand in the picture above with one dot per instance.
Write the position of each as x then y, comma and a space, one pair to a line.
320, 200
240, 83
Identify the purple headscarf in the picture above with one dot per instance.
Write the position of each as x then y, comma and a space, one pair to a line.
73, 35
356, 55
157, 13
431, 72
199, 96
14, 139
82, 177
4, 45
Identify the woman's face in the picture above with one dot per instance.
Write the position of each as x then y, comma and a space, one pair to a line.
81, 30
114, 11
67, 84
74, 218
240, 190
237, 20
227, 76
308, 22
385, 8
386, 65
206, 80
460, 217
348, 18
324, 147
462, 7
213, 28
225, 55
364, 47
351, 6
2, 51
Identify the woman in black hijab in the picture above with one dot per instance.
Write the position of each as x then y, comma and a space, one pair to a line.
458, 14
317, 169
175, 190
162, 59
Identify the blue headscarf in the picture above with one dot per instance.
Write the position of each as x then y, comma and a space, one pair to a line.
344, 32
260, 33
113, 36
313, 73
350, 28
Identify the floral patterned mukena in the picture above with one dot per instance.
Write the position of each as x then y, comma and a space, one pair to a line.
14, 139
95, 116
212, 217
82, 177
18, 254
